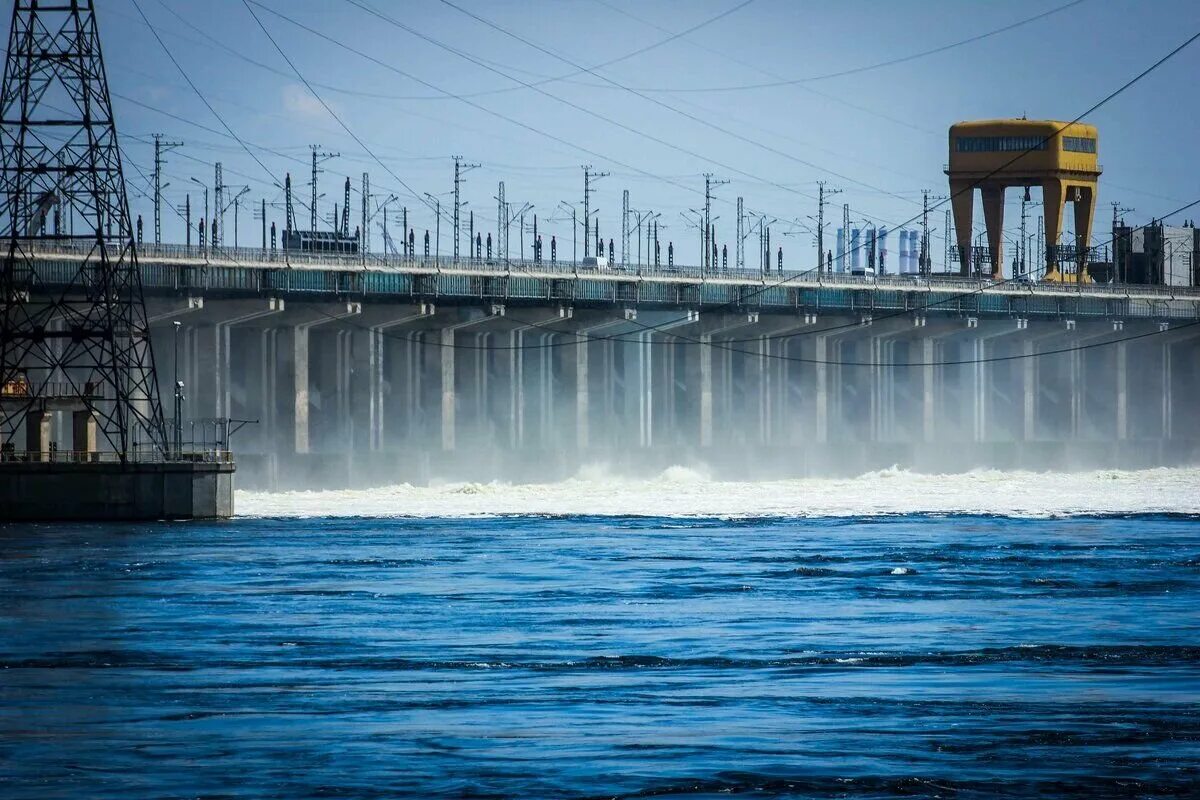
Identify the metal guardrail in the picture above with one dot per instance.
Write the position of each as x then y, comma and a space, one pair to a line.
177, 268
247, 257
21, 389
109, 457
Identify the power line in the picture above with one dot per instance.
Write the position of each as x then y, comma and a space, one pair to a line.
542, 79
649, 328
867, 67
628, 128
190, 83
530, 128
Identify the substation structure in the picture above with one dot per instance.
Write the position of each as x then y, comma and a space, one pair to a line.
374, 373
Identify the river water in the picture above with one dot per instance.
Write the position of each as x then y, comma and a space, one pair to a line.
650, 650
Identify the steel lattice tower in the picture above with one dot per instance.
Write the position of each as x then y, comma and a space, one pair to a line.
72, 333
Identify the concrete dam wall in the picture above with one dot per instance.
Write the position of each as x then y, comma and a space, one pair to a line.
353, 393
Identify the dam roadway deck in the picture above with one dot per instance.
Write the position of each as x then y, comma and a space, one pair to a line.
246, 272
413, 369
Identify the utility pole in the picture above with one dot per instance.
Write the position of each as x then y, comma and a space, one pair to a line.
364, 244
739, 259
709, 184
923, 264
318, 158
437, 228
1119, 273
949, 238
219, 207
460, 169
625, 229
588, 177
1041, 237
1021, 262
160, 147
290, 210
501, 222
821, 224
345, 223
236, 198
845, 237
187, 218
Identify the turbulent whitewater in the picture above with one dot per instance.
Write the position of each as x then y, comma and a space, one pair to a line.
685, 492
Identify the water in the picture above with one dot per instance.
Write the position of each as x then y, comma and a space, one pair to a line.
914, 654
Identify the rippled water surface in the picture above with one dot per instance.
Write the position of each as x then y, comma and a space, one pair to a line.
602, 656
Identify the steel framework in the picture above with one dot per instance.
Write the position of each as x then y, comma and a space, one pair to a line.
85, 343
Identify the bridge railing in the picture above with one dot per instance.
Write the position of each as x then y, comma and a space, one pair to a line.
258, 259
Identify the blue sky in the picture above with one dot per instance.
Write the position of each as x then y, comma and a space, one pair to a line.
878, 134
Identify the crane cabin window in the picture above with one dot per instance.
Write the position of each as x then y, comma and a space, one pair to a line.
998, 144
1079, 144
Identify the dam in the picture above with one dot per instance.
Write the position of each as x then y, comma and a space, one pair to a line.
365, 371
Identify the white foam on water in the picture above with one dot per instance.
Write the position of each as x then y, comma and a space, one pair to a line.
690, 492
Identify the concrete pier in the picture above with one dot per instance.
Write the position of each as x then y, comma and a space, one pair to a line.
108, 491
356, 393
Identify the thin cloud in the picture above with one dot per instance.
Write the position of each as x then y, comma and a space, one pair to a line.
299, 101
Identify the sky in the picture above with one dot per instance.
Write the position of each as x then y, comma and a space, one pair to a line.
655, 93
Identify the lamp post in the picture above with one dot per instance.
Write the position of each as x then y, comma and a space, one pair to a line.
203, 186
236, 205
178, 427
564, 205
437, 225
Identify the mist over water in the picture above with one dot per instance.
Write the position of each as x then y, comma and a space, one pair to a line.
692, 492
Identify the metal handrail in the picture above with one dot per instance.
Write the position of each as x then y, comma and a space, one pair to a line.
211, 456
469, 265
